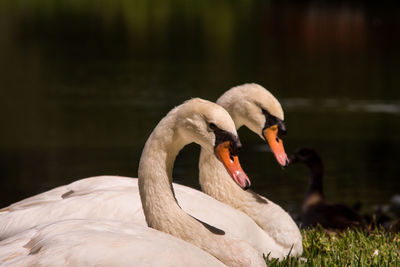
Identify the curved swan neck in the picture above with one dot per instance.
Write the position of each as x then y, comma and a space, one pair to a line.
161, 209
155, 173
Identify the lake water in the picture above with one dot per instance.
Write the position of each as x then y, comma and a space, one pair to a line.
83, 83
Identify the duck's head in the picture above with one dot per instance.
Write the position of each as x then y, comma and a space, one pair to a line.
256, 108
211, 126
305, 155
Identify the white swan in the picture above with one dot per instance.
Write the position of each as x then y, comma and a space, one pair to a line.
86, 198
256, 108
199, 121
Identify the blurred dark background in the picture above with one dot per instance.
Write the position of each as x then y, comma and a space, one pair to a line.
84, 82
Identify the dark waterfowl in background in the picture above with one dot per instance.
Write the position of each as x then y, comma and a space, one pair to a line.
316, 209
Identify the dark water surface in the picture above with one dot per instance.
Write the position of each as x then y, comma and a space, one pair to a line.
83, 83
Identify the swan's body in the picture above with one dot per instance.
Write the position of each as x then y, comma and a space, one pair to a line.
189, 122
316, 209
252, 106
99, 243
117, 198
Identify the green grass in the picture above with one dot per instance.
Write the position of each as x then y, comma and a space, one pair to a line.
350, 248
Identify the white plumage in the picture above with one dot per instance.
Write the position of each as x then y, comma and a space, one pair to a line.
117, 198
99, 243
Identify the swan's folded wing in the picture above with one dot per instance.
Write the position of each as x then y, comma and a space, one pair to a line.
80, 187
103, 197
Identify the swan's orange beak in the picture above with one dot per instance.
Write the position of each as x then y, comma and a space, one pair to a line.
232, 165
276, 144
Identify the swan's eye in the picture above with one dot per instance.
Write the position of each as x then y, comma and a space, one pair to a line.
212, 126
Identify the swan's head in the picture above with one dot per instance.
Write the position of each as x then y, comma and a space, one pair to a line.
255, 107
211, 126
